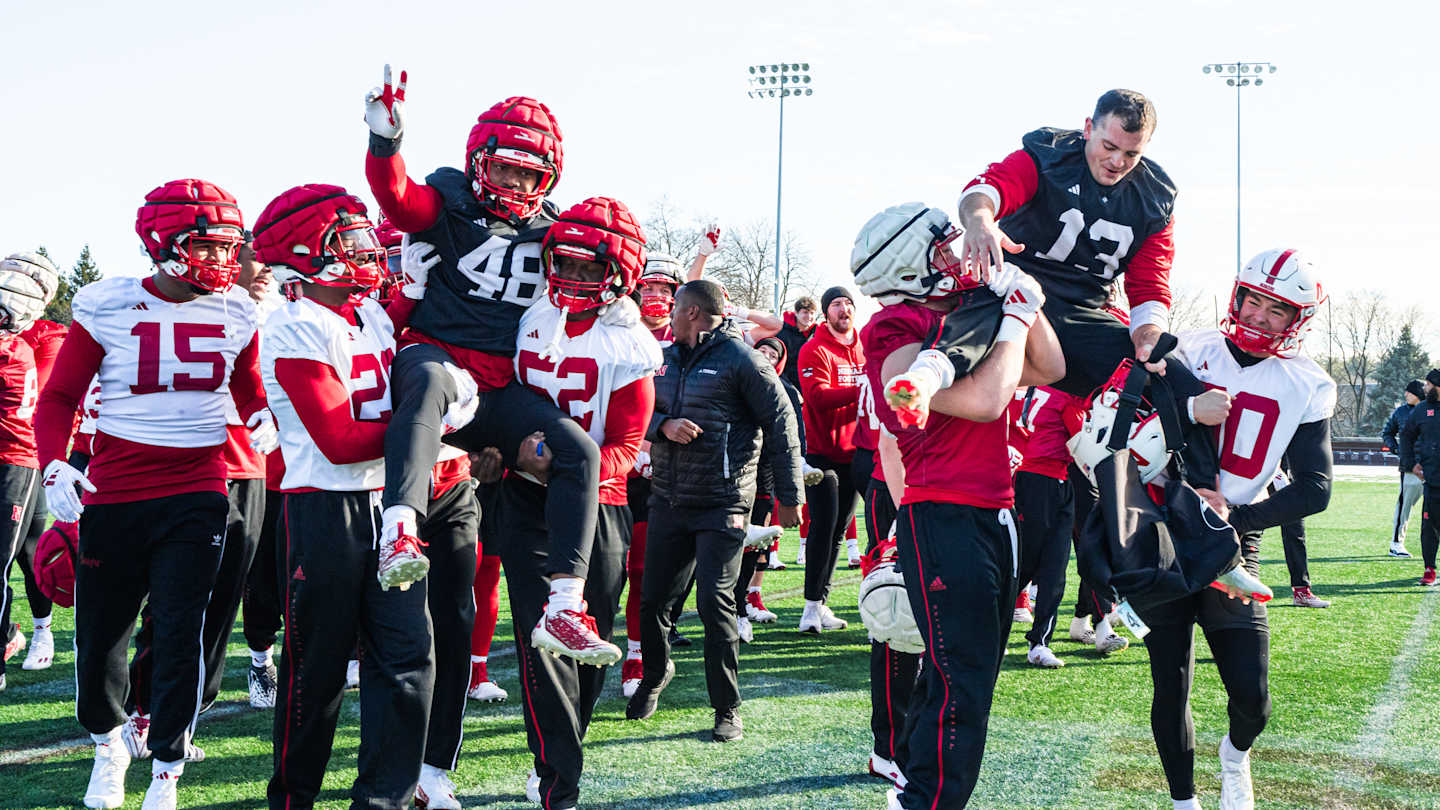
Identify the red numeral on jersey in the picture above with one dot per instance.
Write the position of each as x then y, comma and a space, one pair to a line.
1252, 418
147, 371
543, 377
368, 367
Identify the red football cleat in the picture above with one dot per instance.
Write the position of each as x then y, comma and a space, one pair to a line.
572, 634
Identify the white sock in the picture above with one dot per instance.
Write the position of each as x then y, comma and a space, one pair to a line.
430, 771
1191, 803
813, 604
396, 516
42, 625
262, 658
479, 659
175, 768
632, 649
1102, 629
565, 594
753, 589
110, 737
1231, 754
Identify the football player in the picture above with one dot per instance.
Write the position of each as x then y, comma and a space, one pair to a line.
22, 301
1281, 408
485, 225
602, 375
325, 360
169, 349
956, 536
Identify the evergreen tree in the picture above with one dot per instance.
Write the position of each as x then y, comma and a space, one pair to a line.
1402, 362
84, 272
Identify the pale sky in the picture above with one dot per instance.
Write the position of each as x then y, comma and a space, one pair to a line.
103, 102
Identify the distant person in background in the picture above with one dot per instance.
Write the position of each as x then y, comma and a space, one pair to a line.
798, 327
1420, 455
1411, 487
1297, 558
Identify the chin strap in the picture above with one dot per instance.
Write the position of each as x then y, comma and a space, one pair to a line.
552, 351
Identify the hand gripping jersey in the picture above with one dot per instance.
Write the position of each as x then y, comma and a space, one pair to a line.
1271, 399
488, 272
19, 391
601, 356
952, 460
1078, 234
166, 373
360, 355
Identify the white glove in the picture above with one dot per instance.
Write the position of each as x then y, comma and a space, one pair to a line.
60, 495
1022, 299
385, 108
416, 259
467, 398
1280, 480
264, 437
710, 240
642, 464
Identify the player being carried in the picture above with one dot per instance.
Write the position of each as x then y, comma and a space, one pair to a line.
485, 225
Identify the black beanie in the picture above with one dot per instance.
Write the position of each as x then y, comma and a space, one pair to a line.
1433, 377
1415, 387
831, 294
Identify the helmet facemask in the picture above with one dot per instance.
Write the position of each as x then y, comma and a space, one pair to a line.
1257, 340
951, 270
207, 258
353, 256
657, 296
510, 203
604, 282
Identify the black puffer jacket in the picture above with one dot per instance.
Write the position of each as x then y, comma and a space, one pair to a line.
1420, 441
733, 394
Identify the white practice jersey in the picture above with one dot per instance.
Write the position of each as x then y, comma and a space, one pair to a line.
361, 356
614, 352
1271, 399
165, 378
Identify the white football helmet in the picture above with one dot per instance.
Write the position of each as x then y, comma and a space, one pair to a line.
1288, 277
22, 299
37, 267
1146, 442
884, 604
904, 254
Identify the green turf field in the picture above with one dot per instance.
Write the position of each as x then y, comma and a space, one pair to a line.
1356, 724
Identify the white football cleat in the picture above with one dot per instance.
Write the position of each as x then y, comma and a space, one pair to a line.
1397, 549
886, 769
800, 555
757, 537
15, 644
810, 618
573, 634
742, 626
352, 674
1043, 657
135, 733
42, 651
435, 791
1110, 643
631, 673
402, 562
1237, 790
1240, 582
162, 793
532, 787
852, 550
1080, 630
107, 776
892, 800
755, 609
482, 688
828, 619
262, 682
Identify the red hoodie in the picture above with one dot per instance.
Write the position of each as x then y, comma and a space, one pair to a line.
830, 378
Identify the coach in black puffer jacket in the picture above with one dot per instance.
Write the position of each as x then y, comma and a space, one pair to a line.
715, 400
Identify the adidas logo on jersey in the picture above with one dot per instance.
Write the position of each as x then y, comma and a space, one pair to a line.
140, 305
534, 335
1075, 189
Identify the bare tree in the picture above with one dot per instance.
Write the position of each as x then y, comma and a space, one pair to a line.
1358, 330
1192, 308
745, 264
669, 230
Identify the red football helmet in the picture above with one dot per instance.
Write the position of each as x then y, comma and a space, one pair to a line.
319, 233
390, 238
655, 301
602, 230
519, 132
185, 218
55, 554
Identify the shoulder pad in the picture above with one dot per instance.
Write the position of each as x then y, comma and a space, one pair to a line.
454, 189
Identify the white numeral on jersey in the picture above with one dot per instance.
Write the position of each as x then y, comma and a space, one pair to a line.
29, 396
520, 280
866, 408
1102, 229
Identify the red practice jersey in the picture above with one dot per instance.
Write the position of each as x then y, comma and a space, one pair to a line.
19, 391
1040, 435
952, 460
830, 374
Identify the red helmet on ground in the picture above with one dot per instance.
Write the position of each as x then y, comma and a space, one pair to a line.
602, 230
519, 132
320, 234
55, 554
180, 218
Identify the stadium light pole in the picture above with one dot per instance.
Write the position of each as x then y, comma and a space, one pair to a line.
780, 80
1239, 75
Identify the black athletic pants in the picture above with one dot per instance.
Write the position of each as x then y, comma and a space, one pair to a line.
422, 389
1297, 558
1089, 601
1429, 531
262, 605
242, 535
328, 540
17, 494
1044, 513
892, 673
559, 694
832, 506
450, 529
40, 604
960, 568
706, 543
170, 549
1239, 639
